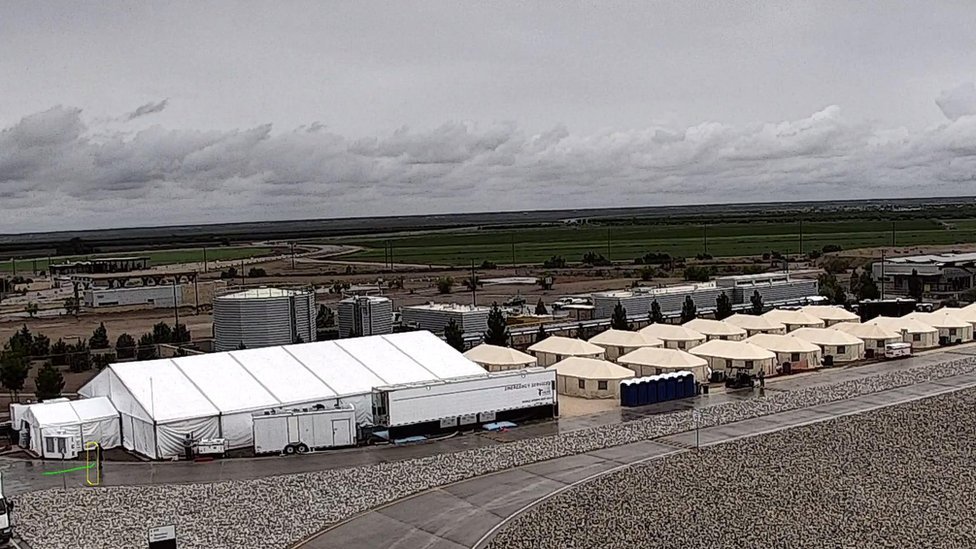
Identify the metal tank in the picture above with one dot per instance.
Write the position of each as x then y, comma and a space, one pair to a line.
263, 317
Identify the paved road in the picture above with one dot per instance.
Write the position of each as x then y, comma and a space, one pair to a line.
20, 476
467, 514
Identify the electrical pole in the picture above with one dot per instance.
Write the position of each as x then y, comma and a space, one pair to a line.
176, 309
204, 259
882, 281
474, 286
242, 272
13, 263
293, 256
609, 230
801, 236
705, 238
892, 233
513, 251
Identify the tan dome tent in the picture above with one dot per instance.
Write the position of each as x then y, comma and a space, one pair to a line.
495, 359
756, 324
794, 319
842, 347
967, 313
673, 336
799, 353
830, 314
874, 336
734, 356
555, 348
919, 334
589, 377
649, 361
619, 342
716, 329
951, 328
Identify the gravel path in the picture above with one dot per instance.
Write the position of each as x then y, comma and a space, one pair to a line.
275, 512
903, 476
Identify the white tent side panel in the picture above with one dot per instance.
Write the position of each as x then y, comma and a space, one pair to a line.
364, 407
137, 435
107, 384
238, 429
105, 432
170, 436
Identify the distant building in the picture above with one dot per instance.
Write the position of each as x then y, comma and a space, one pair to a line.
365, 316
102, 265
435, 316
942, 275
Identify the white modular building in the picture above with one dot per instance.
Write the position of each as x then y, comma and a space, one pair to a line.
60, 428
434, 317
216, 395
365, 315
263, 317
161, 296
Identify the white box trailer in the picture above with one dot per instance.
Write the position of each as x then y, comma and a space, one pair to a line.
464, 401
301, 431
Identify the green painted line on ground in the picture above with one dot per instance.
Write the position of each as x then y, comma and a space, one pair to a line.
73, 469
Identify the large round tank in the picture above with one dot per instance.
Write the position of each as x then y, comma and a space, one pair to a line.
263, 317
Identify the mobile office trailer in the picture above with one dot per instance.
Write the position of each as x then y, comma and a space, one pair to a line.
301, 431
426, 408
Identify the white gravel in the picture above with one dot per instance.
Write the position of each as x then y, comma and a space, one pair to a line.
896, 477
275, 512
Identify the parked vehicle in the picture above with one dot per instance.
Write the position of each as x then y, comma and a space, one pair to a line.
301, 431
898, 350
6, 508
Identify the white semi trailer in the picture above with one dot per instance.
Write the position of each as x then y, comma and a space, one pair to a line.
301, 431
471, 400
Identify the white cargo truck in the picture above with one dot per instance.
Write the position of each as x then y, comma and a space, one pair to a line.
465, 401
301, 431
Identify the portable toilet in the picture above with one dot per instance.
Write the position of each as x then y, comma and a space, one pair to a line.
672, 383
662, 387
650, 390
689, 384
625, 392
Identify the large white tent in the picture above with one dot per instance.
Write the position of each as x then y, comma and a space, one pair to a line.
61, 428
831, 314
619, 342
794, 319
673, 336
951, 327
495, 358
215, 395
756, 324
919, 334
716, 329
555, 348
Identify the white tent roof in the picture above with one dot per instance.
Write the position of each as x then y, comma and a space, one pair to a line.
672, 332
73, 412
662, 358
590, 368
623, 338
734, 350
867, 331
779, 343
714, 327
826, 336
830, 312
754, 322
500, 356
252, 379
940, 319
898, 324
566, 346
967, 313
796, 318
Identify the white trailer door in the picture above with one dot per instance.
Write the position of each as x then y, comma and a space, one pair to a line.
341, 432
323, 429
306, 429
293, 436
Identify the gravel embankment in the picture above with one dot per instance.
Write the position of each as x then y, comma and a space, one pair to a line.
277, 511
897, 477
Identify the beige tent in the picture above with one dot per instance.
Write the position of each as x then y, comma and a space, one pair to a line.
830, 314
589, 377
673, 336
649, 361
967, 313
555, 348
950, 326
619, 342
731, 356
841, 346
716, 329
800, 353
756, 324
494, 358
919, 334
874, 336
794, 319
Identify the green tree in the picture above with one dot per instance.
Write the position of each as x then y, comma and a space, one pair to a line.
655, 316
147, 347
72, 306
581, 332
497, 333
298, 339
723, 306
162, 333
59, 353
325, 318
454, 336
757, 303
540, 308
445, 284
832, 289
101, 360
915, 286
125, 346
541, 334
181, 334
79, 358
49, 382
41, 346
14, 367
688, 310
99, 338
697, 274
867, 287
31, 309
618, 320
241, 347
22, 341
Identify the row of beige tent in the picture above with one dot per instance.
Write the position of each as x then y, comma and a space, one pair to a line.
801, 337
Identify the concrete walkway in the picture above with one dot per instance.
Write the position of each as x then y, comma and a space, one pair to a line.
468, 514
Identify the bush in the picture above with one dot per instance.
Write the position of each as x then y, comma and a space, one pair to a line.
697, 274
647, 274
445, 284
596, 260
555, 262
488, 265
828, 248
125, 346
229, 273
813, 254
256, 272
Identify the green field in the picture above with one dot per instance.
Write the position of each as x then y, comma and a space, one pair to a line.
156, 257
534, 245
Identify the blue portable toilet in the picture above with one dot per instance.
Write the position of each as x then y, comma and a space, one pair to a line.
662, 387
624, 392
689, 384
640, 392
679, 387
672, 384
633, 390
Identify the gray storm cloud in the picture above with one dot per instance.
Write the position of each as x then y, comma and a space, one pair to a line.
148, 108
58, 171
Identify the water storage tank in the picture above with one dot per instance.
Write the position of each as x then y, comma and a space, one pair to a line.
263, 317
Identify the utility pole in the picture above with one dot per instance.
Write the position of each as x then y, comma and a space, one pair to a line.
474, 286
13, 264
705, 238
34, 267
609, 231
293, 256
242, 272
801, 236
204, 259
176, 309
882, 281
892, 233
513, 251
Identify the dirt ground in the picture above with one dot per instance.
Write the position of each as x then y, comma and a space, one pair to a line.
574, 406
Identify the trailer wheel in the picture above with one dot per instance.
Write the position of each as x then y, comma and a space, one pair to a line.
289, 450
302, 448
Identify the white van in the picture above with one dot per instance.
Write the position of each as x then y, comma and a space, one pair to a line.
898, 350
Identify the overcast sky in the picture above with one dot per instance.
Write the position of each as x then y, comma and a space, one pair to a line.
116, 114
